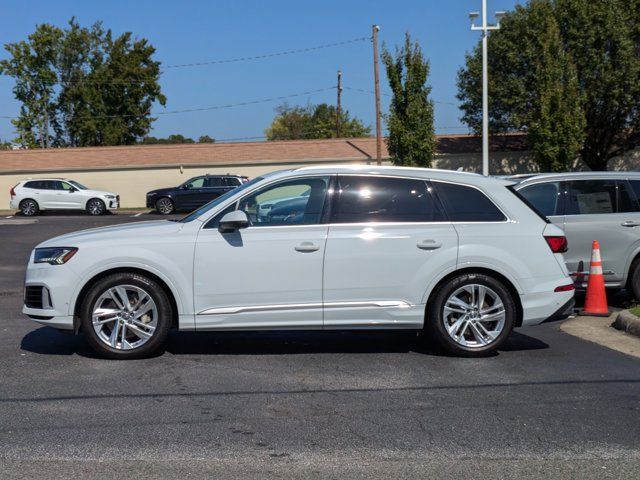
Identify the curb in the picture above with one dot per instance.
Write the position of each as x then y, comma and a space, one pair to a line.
627, 322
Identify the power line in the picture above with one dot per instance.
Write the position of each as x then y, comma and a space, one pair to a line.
213, 107
269, 55
371, 92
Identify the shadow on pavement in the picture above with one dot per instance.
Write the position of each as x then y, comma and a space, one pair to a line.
48, 341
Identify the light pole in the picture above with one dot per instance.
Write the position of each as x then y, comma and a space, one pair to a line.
485, 28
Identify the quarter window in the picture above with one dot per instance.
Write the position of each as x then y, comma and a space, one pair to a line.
467, 204
383, 199
545, 197
232, 181
589, 197
293, 202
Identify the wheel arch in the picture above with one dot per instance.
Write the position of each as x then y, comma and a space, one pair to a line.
105, 273
86, 204
485, 271
32, 199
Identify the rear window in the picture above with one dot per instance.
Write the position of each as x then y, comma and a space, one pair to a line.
544, 197
467, 204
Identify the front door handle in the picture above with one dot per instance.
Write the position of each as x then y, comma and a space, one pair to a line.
306, 247
630, 223
429, 245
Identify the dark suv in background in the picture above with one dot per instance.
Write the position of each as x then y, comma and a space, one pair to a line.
193, 193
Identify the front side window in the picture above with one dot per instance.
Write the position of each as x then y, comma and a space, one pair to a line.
627, 200
545, 197
589, 197
64, 186
467, 204
292, 202
383, 199
79, 186
197, 182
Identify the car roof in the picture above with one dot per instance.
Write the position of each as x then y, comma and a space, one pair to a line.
575, 175
426, 173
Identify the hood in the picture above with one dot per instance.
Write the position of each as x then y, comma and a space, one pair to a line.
124, 233
162, 191
90, 191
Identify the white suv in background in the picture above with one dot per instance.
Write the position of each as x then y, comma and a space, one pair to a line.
456, 254
33, 195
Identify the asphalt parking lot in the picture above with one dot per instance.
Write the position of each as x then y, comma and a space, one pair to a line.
305, 404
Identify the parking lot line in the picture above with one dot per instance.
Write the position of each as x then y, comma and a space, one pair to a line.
10, 216
137, 214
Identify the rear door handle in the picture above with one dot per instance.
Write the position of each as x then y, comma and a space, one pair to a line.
429, 245
630, 223
306, 247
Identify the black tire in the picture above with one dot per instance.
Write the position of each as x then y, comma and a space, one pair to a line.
95, 206
435, 316
164, 310
165, 206
29, 207
633, 284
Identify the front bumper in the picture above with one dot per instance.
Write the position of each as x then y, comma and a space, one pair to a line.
113, 204
59, 281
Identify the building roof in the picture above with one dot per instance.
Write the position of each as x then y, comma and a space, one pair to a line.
284, 152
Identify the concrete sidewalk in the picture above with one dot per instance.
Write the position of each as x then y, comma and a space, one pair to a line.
599, 330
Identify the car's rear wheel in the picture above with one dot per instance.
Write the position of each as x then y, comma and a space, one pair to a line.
95, 206
471, 315
634, 279
29, 207
126, 315
165, 206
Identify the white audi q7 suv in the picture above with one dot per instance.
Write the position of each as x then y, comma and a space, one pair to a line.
342, 247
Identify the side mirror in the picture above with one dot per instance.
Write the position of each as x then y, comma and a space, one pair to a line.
73, 189
233, 221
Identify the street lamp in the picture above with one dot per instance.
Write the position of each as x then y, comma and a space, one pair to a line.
485, 28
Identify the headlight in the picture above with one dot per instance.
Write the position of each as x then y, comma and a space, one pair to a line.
151, 194
110, 197
54, 255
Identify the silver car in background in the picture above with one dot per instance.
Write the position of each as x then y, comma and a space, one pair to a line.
603, 206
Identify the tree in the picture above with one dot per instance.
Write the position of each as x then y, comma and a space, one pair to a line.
173, 139
313, 121
598, 43
92, 88
411, 139
206, 139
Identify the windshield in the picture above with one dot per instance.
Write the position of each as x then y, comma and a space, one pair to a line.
219, 200
77, 185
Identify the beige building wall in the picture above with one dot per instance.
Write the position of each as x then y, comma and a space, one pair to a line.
133, 184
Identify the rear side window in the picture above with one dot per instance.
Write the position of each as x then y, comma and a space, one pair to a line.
363, 199
589, 197
212, 182
467, 204
544, 197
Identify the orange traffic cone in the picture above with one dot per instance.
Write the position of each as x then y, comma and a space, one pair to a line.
595, 303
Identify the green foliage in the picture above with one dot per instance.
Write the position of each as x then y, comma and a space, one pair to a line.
313, 121
175, 139
567, 71
94, 89
411, 139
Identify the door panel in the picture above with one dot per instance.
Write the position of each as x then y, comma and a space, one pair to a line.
268, 275
592, 213
376, 271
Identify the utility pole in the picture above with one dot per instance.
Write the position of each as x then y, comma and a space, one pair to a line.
339, 105
376, 80
46, 120
485, 28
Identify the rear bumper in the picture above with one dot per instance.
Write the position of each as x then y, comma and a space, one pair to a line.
563, 312
539, 307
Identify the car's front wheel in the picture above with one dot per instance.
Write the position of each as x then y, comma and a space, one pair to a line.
471, 315
95, 206
165, 206
126, 315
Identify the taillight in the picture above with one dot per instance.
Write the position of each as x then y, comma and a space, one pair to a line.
12, 192
558, 244
565, 288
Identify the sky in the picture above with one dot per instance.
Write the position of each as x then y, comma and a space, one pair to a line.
193, 31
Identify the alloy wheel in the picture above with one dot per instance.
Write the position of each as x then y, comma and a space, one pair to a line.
95, 207
125, 317
28, 208
474, 316
165, 206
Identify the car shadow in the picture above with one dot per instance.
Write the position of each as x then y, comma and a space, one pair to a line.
49, 341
